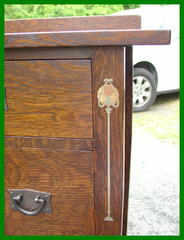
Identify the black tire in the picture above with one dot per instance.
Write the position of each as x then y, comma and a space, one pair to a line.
143, 97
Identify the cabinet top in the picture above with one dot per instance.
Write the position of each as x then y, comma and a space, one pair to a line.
73, 24
81, 31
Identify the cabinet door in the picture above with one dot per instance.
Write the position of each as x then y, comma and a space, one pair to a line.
67, 175
48, 98
49, 124
59, 140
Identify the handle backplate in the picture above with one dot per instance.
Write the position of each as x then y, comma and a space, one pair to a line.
30, 202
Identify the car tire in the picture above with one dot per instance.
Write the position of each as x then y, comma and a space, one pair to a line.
144, 89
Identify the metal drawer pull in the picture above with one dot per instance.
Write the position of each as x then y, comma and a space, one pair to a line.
108, 97
18, 199
30, 202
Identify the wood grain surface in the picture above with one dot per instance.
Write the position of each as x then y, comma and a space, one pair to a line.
49, 98
108, 63
50, 143
67, 175
87, 38
48, 53
73, 23
127, 133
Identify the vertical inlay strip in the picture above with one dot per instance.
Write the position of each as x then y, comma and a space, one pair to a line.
108, 63
108, 96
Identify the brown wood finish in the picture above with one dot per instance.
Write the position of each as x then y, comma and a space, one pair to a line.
73, 24
49, 98
127, 134
67, 175
56, 134
50, 143
108, 63
48, 53
87, 38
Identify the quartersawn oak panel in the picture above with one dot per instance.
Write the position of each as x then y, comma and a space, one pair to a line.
48, 53
73, 23
109, 63
50, 143
87, 38
67, 175
49, 98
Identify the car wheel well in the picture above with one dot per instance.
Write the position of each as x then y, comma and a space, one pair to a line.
150, 67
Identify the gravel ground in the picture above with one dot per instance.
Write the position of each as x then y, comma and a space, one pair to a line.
154, 181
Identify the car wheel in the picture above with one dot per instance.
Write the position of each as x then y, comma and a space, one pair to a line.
144, 89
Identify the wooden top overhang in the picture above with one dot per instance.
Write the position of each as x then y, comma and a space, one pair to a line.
81, 31
87, 38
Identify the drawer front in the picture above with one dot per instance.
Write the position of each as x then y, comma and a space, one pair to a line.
67, 175
48, 98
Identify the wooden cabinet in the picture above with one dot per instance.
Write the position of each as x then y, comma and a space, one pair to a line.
49, 98
67, 175
68, 123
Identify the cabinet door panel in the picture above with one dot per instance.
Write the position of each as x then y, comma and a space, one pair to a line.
67, 175
49, 98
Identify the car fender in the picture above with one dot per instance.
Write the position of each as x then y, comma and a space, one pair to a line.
165, 61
